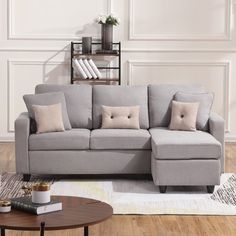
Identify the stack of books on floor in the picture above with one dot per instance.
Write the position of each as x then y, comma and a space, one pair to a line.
86, 69
25, 204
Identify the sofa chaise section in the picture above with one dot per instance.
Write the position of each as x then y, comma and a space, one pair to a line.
179, 157
185, 158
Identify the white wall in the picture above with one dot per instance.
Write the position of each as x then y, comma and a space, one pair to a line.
163, 41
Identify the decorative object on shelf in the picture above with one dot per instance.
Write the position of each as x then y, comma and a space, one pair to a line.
5, 206
87, 45
86, 71
79, 69
41, 193
107, 36
95, 69
100, 66
90, 68
107, 22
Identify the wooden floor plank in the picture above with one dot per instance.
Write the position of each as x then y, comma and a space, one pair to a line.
136, 225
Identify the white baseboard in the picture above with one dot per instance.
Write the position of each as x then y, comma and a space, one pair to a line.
7, 138
230, 138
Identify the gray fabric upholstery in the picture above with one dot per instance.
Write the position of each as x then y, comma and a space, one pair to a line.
22, 131
78, 101
120, 96
205, 101
217, 129
168, 144
91, 162
73, 139
45, 100
120, 139
160, 97
185, 172
178, 157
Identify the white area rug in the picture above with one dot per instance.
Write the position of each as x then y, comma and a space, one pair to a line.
138, 196
143, 197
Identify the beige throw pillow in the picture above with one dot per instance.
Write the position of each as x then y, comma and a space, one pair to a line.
48, 118
184, 116
120, 117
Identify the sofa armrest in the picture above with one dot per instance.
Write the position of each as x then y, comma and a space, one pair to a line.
22, 132
217, 129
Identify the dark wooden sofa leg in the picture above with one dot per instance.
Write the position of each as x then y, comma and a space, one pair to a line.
162, 189
210, 188
26, 177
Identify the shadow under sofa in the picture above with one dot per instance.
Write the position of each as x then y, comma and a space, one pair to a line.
172, 157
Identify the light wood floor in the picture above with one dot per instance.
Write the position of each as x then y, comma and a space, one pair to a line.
133, 225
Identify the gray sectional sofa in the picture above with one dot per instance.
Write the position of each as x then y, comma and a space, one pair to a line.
172, 157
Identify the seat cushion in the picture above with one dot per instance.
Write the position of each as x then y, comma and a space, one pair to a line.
169, 144
78, 102
69, 140
118, 96
120, 139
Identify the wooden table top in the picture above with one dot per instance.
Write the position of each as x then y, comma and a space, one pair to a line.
76, 212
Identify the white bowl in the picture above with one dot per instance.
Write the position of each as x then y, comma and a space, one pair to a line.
5, 209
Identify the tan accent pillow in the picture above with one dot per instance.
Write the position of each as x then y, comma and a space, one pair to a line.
120, 117
184, 116
48, 118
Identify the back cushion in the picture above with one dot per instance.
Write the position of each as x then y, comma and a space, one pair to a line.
78, 102
160, 98
110, 95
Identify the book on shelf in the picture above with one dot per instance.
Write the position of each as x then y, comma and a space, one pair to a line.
86, 71
25, 204
79, 69
95, 69
90, 68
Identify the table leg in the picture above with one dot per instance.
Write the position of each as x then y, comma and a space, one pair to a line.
2, 232
86, 232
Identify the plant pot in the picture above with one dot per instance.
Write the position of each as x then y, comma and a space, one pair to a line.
107, 37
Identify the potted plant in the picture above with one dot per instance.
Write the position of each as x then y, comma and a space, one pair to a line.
107, 22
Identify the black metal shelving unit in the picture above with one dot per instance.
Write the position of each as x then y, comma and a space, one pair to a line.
96, 53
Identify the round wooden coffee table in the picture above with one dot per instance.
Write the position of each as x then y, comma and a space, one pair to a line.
77, 212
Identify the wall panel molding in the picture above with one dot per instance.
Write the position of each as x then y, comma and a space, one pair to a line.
124, 50
225, 64
182, 37
11, 86
13, 35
